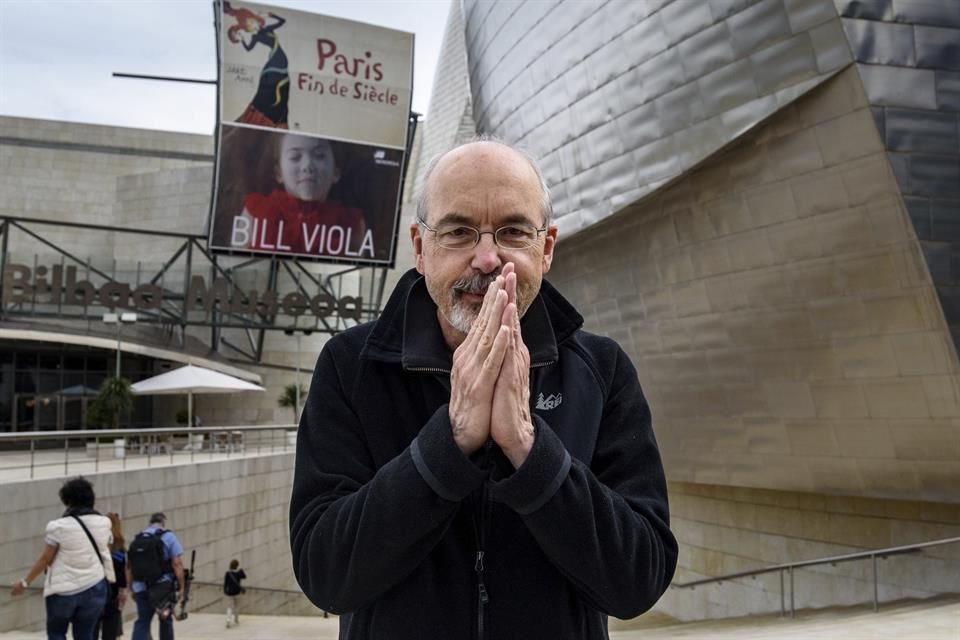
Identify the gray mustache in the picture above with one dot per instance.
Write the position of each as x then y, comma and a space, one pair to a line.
477, 284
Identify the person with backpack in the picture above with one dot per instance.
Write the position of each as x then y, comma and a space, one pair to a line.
232, 590
156, 577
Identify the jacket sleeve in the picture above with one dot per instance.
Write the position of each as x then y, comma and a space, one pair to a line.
357, 530
605, 526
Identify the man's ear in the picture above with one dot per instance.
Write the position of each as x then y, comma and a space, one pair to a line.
417, 239
549, 245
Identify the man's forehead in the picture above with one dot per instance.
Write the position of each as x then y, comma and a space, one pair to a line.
492, 173
456, 217
485, 155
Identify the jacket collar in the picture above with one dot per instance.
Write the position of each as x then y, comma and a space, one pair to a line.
408, 332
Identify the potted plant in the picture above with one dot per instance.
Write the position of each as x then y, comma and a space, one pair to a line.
288, 399
113, 398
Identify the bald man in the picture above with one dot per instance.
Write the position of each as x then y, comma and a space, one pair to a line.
473, 464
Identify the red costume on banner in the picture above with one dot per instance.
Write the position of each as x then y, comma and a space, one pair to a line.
315, 228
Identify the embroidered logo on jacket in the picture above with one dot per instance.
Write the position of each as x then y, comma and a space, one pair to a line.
550, 402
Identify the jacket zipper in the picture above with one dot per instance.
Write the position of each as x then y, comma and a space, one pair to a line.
482, 597
478, 566
429, 370
534, 365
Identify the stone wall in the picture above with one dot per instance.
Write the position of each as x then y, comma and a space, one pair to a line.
725, 530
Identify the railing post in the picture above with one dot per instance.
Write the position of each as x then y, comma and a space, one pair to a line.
66, 456
33, 442
792, 603
876, 599
783, 606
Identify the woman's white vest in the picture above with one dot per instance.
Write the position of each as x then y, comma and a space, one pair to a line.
76, 566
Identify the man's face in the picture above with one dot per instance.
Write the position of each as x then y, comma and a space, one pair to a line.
306, 167
486, 186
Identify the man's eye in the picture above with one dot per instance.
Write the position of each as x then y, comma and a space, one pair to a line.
515, 232
457, 232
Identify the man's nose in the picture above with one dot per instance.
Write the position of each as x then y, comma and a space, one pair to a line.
486, 255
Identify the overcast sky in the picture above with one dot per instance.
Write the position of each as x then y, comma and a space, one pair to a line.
57, 56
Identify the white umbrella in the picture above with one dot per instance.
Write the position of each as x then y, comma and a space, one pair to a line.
191, 380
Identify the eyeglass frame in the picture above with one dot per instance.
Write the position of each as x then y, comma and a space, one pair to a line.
480, 235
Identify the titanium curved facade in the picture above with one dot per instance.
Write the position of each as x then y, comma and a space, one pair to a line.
757, 198
619, 98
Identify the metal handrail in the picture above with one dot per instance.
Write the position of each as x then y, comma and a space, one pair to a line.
832, 560
121, 433
151, 441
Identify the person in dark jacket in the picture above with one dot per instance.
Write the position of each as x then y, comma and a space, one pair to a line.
473, 464
232, 588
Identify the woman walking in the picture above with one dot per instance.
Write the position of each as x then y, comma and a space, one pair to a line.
77, 561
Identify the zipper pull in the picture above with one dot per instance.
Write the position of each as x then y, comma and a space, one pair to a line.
481, 587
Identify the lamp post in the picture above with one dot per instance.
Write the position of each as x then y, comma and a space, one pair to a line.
119, 319
295, 331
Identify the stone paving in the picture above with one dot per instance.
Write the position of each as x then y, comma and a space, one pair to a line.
19, 466
934, 619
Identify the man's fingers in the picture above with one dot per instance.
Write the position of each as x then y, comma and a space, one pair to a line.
477, 329
494, 360
489, 331
510, 284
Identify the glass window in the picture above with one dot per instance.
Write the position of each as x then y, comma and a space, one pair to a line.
49, 360
49, 382
25, 382
26, 360
97, 362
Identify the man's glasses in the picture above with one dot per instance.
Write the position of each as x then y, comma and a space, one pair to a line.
457, 236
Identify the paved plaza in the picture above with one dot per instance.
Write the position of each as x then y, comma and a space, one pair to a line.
16, 466
927, 620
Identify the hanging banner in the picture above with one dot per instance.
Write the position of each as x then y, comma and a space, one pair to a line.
314, 115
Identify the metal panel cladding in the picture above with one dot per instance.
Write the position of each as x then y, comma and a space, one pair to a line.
617, 98
908, 57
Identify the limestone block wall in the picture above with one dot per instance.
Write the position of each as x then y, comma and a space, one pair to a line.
780, 313
223, 510
67, 171
724, 530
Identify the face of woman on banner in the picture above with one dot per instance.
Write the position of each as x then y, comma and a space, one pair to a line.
306, 167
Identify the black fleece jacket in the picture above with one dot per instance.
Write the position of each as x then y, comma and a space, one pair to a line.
395, 529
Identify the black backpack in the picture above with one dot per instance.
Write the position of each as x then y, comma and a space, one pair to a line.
146, 557
231, 584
